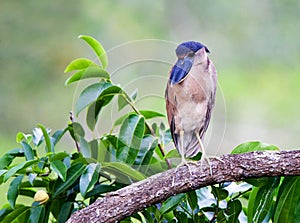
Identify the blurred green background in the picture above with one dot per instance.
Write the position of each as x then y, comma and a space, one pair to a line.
255, 46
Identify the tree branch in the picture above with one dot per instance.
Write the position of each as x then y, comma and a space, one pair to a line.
157, 188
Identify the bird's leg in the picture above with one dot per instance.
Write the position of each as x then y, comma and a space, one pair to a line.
183, 159
182, 153
204, 156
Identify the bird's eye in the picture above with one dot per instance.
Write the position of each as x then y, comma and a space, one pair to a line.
191, 54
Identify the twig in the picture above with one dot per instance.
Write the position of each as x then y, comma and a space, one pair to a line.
76, 143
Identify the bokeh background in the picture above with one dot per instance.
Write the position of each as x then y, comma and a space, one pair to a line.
254, 44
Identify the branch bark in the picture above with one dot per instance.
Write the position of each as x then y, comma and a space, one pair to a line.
157, 188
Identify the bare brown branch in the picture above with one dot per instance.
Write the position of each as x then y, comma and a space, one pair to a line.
128, 200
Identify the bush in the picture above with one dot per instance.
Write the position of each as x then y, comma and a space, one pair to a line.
60, 182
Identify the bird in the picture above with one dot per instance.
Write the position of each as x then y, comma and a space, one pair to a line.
190, 98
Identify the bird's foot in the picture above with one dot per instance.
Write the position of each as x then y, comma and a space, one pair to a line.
183, 162
207, 159
202, 161
217, 158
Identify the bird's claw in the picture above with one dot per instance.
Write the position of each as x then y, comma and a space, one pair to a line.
183, 162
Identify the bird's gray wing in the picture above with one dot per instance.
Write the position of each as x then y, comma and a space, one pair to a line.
171, 112
211, 100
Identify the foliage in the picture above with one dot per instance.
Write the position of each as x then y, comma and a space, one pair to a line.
59, 183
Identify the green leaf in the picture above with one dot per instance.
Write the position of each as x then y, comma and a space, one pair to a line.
122, 102
22, 136
49, 145
164, 134
221, 217
76, 131
93, 71
145, 154
29, 155
79, 64
147, 148
72, 175
17, 168
159, 153
251, 204
154, 210
296, 213
122, 171
132, 130
124, 99
192, 199
20, 214
98, 49
94, 149
219, 193
13, 189
233, 210
147, 114
259, 182
58, 135
31, 178
6, 160
60, 168
89, 178
16, 152
37, 136
134, 94
37, 214
96, 92
84, 147
253, 146
131, 134
29, 192
65, 212
104, 98
107, 149
35, 183
83, 160
56, 207
148, 217
101, 189
58, 156
288, 200
169, 217
112, 141
172, 154
2, 172
261, 201
94, 111
5, 210
171, 203
181, 216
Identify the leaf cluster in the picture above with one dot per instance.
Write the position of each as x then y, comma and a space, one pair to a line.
74, 180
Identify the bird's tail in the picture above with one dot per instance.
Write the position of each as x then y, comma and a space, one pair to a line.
190, 146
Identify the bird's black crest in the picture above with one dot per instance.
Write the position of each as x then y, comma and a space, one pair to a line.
186, 47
